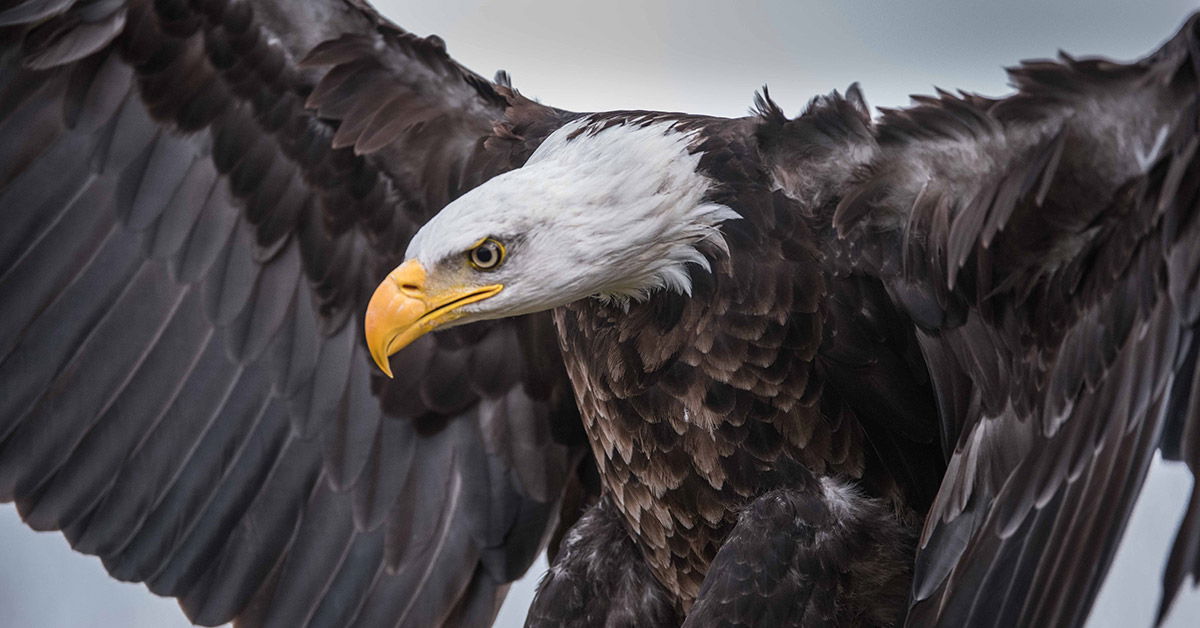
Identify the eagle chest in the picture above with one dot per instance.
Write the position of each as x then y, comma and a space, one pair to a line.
688, 423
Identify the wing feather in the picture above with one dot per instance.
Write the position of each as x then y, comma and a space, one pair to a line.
1061, 225
186, 255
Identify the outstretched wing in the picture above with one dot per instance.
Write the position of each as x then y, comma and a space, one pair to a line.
197, 199
1048, 245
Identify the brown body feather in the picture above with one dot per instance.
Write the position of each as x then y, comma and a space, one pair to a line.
697, 405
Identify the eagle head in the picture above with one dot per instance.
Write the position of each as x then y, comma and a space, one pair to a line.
611, 211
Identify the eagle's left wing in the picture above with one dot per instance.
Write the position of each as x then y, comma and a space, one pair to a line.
1048, 246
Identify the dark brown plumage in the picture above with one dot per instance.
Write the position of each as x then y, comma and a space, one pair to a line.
738, 389
973, 313
187, 251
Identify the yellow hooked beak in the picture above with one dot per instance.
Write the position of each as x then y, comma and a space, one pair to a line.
401, 310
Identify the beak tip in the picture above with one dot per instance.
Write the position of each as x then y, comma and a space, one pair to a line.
382, 362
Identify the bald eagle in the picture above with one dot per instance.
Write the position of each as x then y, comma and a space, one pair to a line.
826, 370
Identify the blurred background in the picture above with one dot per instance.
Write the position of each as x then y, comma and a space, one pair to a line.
705, 56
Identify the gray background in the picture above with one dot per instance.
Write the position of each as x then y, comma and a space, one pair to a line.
705, 57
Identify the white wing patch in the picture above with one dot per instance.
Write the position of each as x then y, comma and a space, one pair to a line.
1145, 159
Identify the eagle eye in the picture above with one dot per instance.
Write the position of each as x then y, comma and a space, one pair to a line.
486, 255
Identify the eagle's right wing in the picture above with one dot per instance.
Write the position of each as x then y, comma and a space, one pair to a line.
197, 198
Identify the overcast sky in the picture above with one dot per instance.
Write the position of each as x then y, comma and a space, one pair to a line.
705, 57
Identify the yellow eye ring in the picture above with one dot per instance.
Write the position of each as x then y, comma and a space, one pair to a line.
486, 255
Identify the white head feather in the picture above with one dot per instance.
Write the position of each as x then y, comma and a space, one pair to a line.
615, 214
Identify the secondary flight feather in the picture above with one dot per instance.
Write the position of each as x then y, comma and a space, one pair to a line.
759, 371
